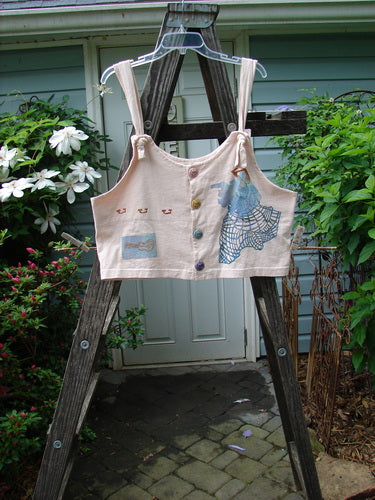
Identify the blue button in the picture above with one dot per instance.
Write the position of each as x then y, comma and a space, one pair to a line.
198, 233
199, 266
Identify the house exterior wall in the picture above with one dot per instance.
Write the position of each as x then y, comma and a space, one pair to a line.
327, 64
327, 45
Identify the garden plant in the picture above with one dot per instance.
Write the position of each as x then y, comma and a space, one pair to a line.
332, 167
50, 157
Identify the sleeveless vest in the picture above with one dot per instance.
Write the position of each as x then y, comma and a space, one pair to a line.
216, 216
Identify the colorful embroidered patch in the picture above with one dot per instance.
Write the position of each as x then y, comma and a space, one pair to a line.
247, 222
139, 246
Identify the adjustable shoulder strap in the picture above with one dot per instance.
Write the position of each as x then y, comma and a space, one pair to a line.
125, 75
248, 67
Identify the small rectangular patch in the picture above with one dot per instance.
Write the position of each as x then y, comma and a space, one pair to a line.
139, 246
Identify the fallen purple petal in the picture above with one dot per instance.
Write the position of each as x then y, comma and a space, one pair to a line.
235, 447
247, 433
243, 400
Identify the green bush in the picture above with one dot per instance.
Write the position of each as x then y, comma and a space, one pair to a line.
49, 155
332, 169
39, 307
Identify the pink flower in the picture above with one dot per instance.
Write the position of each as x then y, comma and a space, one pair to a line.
30, 250
56, 264
23, 414
66, 259
23, 313
4, 355
13, 288
33, 408
3, 390
1, 346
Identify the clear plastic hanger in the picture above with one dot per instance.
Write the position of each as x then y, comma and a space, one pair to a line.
182, 40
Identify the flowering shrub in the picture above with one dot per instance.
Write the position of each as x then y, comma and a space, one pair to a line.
332, 168
39, 306
49, 155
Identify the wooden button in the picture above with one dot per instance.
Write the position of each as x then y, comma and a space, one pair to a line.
195, 204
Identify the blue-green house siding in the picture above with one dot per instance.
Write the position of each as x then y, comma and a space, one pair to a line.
42, 72
330, 64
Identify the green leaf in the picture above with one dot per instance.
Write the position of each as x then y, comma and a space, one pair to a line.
366, 252
351, 295
359, 334
357, 195
328, 211
357, 360
353, 242
370, 183
371, 233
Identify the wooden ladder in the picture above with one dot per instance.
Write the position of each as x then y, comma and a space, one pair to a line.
102, 297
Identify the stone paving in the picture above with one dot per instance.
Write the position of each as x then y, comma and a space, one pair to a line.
177, 433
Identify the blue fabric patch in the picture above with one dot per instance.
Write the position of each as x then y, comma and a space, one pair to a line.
139, 246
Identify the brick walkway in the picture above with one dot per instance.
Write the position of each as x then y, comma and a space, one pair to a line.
172, 433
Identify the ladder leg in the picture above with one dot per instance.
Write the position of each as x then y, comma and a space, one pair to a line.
286, 386
79, 382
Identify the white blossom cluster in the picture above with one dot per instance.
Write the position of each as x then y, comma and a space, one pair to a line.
63, 141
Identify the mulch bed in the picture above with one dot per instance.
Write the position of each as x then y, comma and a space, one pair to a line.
353, 427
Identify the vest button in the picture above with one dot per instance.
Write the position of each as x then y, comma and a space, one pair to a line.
199, 266
195, 204
193, 172
197, 234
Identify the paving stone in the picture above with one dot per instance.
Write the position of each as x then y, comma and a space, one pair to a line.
170, 487
205, 450
282, 472
245, 469
273, 456
230, 490
263, 489
295, 496
141, 480
131, 492
226, 426
212, 434
257, 432
158, 467
255, 417
272, 424
151, 450
203, 476
224, 459
185, 440
177, 456
256, 448
198, 495
277, 437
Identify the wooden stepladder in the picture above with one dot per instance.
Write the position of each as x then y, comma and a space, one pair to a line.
102, 297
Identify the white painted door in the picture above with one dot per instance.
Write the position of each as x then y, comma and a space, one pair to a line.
185, 321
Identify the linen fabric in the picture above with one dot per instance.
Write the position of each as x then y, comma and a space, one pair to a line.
216, 216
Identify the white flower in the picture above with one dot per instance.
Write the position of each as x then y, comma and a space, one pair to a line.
66, 139
48, 220
82, 170
14, 188
42, 179
71, 185
6, 156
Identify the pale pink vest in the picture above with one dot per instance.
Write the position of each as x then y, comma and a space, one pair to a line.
216, 216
